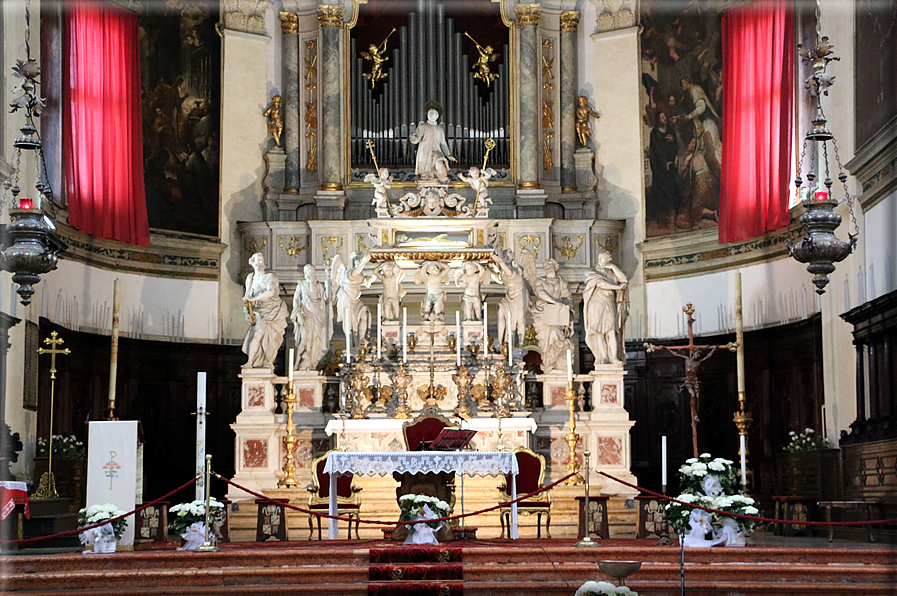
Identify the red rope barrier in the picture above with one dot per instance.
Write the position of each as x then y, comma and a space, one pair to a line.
391, 523
96, 525
750, 517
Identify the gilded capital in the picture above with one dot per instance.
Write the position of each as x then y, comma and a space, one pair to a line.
289, 22
528, 14
569, 21
331, 15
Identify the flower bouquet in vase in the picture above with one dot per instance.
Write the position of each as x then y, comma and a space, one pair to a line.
104, 538
712, 483
187, 520
422, 508
593, 588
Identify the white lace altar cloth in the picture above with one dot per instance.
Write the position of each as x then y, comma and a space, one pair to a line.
471, 463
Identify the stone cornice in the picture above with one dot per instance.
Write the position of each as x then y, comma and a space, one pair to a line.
875, 166
289, 23
569, 21
331, 15
527, 15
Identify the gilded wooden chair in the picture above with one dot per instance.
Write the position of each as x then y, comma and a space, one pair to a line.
529, 478
348, 501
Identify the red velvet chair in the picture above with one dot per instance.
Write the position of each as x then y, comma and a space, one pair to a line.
348, 502
424, 429
529, 478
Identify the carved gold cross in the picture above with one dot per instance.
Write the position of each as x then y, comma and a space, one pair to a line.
54, 340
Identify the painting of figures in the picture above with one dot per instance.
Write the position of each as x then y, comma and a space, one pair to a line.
681, 94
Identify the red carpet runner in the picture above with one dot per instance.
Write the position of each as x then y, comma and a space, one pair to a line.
414, 571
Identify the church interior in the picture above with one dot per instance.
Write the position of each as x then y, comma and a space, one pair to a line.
583, 246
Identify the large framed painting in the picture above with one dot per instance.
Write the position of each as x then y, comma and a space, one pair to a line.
681, 57
875, 77
180, 64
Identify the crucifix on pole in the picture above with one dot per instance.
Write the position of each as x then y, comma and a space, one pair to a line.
47, 487
693, 355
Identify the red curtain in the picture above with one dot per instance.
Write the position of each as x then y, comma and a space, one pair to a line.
758, 89
103, 143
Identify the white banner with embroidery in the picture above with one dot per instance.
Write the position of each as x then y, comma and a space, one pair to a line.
112, 468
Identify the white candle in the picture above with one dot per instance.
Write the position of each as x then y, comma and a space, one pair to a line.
290, 369
569, 365
485, 327
379, 329
348, 347
404, 334
342, 399
510, 344
743, 451
458, 339
200, 434
663, 460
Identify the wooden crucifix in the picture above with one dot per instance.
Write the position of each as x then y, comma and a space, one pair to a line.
693, 355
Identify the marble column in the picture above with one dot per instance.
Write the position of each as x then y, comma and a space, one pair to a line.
289, 22
331, 199
569, 22
528, 89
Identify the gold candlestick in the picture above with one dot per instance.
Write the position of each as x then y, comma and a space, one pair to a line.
572, 438
47, 487
401, 379
289, 479
463, 382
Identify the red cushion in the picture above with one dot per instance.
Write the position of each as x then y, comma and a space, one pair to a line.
343, 483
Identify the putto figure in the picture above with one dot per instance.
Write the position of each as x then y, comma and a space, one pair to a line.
583, 113
433, 153
312, 320
382, 182
471, 276
265, 313
391, 275
274, 114
479, 181
434, 274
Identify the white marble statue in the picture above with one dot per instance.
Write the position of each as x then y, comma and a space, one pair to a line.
434, 274
479, 181
266, 314
514, 273
348, 281
603, 309
553, 317
382, 182
391, 275
433, 153
471, 276
312, 320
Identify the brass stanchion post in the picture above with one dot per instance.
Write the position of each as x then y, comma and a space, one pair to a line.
207, 546
587, 540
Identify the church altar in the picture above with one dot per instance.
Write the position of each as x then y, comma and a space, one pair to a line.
471, 463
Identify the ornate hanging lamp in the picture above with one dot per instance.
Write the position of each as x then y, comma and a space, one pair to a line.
818, 246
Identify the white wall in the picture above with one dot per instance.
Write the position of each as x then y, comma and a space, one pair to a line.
881, 248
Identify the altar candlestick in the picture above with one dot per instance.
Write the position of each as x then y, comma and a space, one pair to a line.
485, 327
348, 347
379, 329
291, 362
458, 338
404, 334
663, 461
569, 365
510, 344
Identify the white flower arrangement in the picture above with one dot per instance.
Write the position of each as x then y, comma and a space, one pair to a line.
591, 588
712, 483
806, 441
412, 505
184, 515
95, 514
64, 447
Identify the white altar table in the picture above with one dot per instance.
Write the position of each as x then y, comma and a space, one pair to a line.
472, 463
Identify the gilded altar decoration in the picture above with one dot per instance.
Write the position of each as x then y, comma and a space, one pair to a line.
294, 248
311, 133
377, 55
547, 64
608, 243
531, 243
253, 246
487, 56
328, 242
547, 135
289, 23
566, 248
528, 14
311, 65
274, 114
331, 15
583, 113
569, 21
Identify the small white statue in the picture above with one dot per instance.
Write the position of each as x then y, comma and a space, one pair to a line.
382, 182
266, 314
350, 310
604, 309
101, 538
433, 274
312, 320
514, 273
391, 275
553, 316
194, 536
479, 181
433, 153
729, 534
423, 533
471, 276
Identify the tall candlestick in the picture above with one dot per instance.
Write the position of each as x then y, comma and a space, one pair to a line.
510, 344
739, 336
200, 434
291, 363
569, 365
485, 327
404, 334
663, 460
379, 329
742, 443
458, 340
